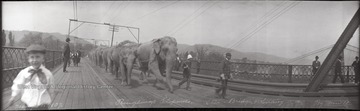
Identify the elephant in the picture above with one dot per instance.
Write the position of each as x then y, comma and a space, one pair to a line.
158, 56
123, 57
105, 58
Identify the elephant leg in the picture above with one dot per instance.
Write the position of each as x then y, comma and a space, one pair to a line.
154, 68
122, 71
117, 71
129, 66
111, 67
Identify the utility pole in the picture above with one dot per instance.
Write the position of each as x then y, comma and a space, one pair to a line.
113, 28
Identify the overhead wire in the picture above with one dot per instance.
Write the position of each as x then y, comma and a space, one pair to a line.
309, 53
254, 24
193, 18
265, 23
183, 21
139, 18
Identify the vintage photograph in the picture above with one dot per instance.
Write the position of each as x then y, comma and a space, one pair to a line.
180, 54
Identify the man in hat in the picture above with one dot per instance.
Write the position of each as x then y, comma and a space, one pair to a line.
338, 70
66, 54
186, 72
224, 75
34, 82
315, 65
356, 64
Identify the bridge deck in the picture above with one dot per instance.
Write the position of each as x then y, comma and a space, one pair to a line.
89, 86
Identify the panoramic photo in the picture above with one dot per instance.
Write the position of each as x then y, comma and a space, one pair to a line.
180, 54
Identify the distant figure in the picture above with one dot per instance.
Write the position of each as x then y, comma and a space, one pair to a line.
356, 65
79, 53
75, 58
66, 54
338, 70
71, 58
224, 75
186, 73
316, 65
177, 63
198, 66
3, 38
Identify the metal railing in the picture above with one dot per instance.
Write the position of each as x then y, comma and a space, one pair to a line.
277, 73
15, 59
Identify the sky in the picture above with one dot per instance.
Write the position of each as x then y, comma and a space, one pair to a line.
281, 28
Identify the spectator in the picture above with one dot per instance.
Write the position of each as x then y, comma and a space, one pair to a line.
338, 70
356, 64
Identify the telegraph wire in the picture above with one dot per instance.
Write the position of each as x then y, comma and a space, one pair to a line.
183, 21
194, 18
152, 12
254, 24
264, 24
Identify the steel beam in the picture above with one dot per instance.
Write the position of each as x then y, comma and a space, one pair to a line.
334, 53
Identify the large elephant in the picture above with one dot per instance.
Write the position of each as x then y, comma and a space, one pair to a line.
158, 56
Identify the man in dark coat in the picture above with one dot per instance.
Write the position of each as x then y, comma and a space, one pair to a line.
356, 64
316, 65
224, 75
338, 70
66, 54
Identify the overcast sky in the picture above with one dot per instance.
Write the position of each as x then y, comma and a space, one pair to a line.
303, 26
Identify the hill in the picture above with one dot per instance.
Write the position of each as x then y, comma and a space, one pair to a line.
182, 48
61, 37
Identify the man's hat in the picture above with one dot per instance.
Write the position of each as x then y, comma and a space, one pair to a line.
189, 56
227, 54
356, 57
35, 48
67, 39
317, 57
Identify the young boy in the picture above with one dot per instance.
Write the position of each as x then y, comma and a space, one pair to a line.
33, 83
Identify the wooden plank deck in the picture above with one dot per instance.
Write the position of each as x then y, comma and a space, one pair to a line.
89, 86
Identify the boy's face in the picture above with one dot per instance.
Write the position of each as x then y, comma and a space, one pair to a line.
36, 59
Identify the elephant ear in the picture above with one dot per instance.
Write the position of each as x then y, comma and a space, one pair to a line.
157, 46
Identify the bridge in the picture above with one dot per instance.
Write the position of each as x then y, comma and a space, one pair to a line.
89, 86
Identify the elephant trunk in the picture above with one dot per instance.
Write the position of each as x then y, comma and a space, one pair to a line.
169, 66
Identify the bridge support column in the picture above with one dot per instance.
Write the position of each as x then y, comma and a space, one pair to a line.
334, 53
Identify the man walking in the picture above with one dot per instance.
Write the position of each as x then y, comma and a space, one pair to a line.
66, 54
224, 75
186, 73
315, 65
338, 70
355, 64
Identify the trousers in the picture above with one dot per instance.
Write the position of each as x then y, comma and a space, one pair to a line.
66, 60
338, 74
222, 88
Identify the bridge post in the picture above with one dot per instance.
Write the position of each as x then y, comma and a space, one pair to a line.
347, 73
329, 61
289, 74
53, 59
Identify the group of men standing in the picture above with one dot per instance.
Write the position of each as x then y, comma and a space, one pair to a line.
338, 72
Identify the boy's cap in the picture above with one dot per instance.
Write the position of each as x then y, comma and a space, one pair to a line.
35, 48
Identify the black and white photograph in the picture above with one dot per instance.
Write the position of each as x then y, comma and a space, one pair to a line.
257, 54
